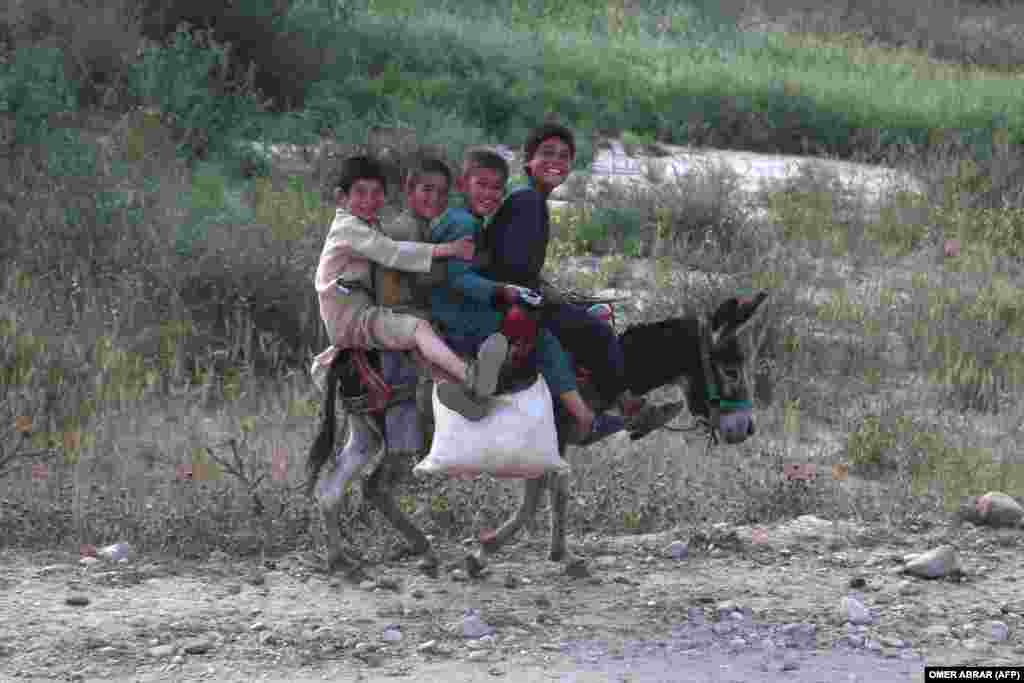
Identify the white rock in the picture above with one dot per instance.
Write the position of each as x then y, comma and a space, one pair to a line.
935, 563
997, 631
475, 627
853, 611
678, 550
994, 509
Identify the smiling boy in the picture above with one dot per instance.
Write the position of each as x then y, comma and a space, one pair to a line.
517, 241
468, 307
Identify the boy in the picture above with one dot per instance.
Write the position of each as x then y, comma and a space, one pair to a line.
517, 242
353, 320
426, 193
468, 306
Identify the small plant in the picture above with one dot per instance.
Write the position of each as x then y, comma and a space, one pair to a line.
870, 447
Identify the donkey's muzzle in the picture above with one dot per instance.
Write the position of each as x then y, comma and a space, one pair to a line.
737, 427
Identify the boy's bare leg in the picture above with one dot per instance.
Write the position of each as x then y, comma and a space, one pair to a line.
436, 351
577, 407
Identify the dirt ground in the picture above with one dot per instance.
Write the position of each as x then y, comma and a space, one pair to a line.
743, 604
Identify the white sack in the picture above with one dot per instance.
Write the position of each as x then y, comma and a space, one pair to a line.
515, 440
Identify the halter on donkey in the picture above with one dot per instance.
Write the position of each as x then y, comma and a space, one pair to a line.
656, 355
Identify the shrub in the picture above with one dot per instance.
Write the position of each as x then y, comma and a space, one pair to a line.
176, 79
33, 87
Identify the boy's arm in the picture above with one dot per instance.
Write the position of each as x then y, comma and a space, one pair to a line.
460, 274
414, 257
519, 238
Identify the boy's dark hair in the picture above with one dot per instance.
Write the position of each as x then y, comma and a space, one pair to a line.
482, 157
361, 168
542, 133
429, 166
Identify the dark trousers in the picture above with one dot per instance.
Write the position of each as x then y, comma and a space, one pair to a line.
592, 343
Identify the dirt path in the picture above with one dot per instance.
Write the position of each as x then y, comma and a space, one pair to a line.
742, 605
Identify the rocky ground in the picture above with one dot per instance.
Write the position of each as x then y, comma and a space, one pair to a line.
807, 600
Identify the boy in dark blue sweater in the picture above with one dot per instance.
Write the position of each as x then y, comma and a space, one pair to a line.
517, 239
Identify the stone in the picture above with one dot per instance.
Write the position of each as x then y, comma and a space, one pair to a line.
678, 550
197, 646
995, 509
936, 563
996, 631
473, 626
853, 611
77, 600
161, 651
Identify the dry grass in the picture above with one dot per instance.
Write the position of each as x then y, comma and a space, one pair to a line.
164, 400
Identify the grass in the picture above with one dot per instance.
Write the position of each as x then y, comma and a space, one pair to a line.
157, 320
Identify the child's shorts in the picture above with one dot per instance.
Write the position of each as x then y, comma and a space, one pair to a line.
382, 329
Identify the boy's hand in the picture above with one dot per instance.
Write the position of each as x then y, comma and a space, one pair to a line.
513, 294
463, 249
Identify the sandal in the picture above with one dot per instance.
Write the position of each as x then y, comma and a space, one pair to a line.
483, 373
457, 398
604, 425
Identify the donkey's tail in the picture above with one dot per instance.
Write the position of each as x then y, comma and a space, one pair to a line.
323, 445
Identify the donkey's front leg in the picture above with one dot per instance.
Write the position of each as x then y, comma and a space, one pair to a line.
490, 544
558, 489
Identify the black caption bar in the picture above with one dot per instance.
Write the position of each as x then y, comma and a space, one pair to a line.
974, 673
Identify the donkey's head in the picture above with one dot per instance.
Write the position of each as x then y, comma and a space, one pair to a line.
708, 353
720, 392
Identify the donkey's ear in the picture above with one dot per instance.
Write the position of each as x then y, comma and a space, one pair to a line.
734, 315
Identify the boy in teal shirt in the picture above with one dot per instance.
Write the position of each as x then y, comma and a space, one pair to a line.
468, 307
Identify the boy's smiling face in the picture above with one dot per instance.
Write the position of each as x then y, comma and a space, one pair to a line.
550, 164
484, 189
427, 195
366, 199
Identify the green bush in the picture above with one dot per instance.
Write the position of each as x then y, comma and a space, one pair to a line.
176, 79
33, 86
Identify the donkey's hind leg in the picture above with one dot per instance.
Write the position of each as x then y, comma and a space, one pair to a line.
378, 489
330, 491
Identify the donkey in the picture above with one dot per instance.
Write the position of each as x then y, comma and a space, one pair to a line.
704, 352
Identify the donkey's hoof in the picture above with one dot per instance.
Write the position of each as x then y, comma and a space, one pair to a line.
429, 565
557, 555
402, 551
346, 566
475, 565
577, 568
